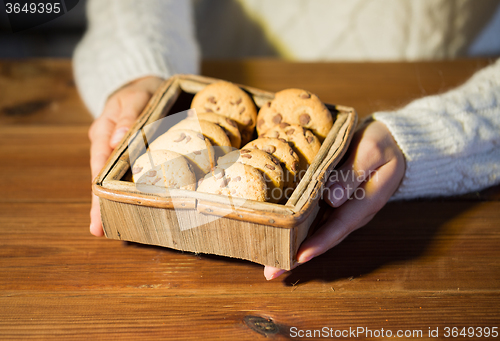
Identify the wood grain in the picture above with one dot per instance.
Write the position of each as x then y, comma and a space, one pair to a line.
418, 264
390, 275
40, 92
44, 163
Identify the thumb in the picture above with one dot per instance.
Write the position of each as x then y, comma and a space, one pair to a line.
130, 107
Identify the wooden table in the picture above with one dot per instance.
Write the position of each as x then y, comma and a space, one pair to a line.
418, 265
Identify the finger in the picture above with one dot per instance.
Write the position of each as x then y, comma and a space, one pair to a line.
270, 272
99, 148
366, 202
95, 218
99, 135
130, 107
99, 153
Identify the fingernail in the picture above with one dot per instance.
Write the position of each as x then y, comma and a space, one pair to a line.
336, 194
118, 135
275, 275
304, 258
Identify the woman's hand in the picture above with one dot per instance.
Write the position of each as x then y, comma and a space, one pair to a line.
120, 112
357, 190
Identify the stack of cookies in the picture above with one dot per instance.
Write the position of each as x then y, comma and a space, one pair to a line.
202, 152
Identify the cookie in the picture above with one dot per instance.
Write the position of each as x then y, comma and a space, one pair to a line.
295, 106
280, 149
227, 99
230, 127
169, 169
264, 162
302, 140
191, 144
218, 138
235, 180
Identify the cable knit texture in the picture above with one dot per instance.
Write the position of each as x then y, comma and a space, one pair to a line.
451, 142
127, 40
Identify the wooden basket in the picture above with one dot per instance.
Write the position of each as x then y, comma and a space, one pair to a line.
261, 232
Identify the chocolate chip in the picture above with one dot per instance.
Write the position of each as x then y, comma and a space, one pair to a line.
295, 166
197, 152
151, 173
242, 110
156, 180
200, 136
305, 96
310, 139
211, 99
275, 160
136, 169
290, 131
188, 138
268, 104
246, 156
207, 109
181, 137
218, 109
283, 125
245, 151
223, 183
239, 101
271, 167
304, 119
282, 140
291, 152
270, 149
248, 122
238, 178
260, 123
277, 119
231, 122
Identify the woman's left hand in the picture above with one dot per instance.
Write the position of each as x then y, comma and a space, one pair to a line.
357, 190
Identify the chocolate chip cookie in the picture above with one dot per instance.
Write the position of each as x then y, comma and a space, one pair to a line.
280, 149
236, 180
191, 144
302, 140
264, 162
164, 168
227, 99
295, 106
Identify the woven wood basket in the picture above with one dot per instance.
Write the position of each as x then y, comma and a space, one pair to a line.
261, 232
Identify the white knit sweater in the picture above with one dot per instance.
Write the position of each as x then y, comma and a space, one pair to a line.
451, 142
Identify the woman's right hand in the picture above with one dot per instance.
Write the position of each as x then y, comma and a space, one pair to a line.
120, 112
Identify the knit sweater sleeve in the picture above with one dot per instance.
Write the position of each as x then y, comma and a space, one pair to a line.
451, 141
129, 39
